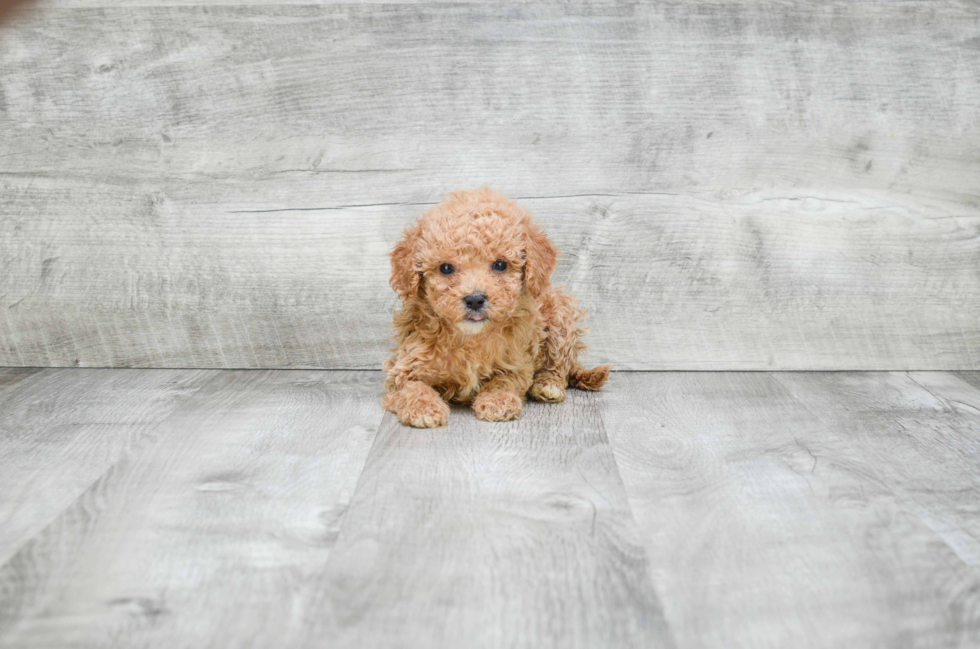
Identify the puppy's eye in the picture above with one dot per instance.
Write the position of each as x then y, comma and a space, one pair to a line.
446, 269
500, 265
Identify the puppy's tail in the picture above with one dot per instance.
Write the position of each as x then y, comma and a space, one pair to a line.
583, 379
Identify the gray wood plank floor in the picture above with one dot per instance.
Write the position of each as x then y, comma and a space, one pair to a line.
62, 429
187, 508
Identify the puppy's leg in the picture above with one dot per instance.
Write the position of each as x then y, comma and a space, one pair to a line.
548, 387
560, 348
418, 405
502, 397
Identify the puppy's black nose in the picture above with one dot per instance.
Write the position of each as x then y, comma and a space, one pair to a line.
475, 301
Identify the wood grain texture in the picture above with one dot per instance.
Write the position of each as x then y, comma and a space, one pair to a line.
491, 535
205, 278
920, 432
764, 185
765, 528
398, 103
61, 430
12, 375
973, 378
212, 537
278, 508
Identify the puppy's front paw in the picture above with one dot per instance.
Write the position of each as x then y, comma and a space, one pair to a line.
497, 406
427, 413
548, 392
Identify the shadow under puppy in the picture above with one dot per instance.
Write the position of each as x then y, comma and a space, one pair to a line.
480, 321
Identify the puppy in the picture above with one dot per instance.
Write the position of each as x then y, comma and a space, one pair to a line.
480, 321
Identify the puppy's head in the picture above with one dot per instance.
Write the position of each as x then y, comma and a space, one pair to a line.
471, 257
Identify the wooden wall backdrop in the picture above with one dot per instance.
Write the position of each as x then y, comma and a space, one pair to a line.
743, 185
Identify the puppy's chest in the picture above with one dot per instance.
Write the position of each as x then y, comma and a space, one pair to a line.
463, 372
462, 375
459, 372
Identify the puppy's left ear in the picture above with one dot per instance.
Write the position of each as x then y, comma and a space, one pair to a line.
405, 273
540, 257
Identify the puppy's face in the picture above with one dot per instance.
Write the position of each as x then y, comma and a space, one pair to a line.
472, 288
470, 258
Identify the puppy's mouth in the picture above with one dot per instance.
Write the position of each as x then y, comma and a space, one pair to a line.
473, 323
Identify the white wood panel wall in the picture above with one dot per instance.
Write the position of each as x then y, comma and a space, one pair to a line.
762, 185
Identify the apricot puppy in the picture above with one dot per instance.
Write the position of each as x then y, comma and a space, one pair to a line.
480, 321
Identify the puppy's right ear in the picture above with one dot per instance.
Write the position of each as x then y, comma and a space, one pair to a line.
540, 258
405, 269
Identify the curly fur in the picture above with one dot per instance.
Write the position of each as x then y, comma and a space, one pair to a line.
527, 345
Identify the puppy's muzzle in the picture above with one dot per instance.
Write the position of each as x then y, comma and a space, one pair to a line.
475, 305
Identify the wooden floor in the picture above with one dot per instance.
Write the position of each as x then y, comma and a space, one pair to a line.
205, 508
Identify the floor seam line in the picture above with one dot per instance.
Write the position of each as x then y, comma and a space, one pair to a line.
633, 521
109, 469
